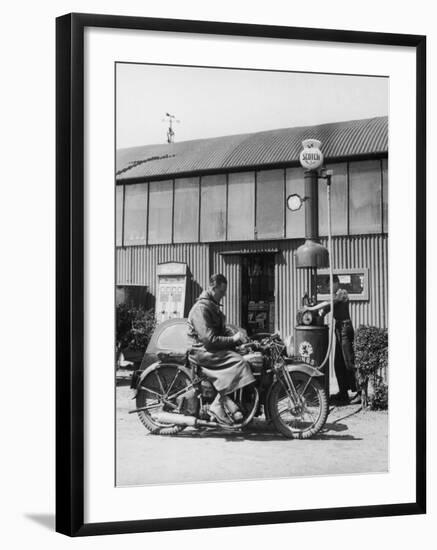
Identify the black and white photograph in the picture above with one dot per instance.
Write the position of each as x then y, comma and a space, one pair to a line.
218, 261
251, 274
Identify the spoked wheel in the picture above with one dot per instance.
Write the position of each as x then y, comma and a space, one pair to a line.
303, 417
155, 393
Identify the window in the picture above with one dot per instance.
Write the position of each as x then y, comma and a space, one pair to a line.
135, 214
365, 197
160, 211
354, 281
119, 190
186, 210
241, 206
339, 204
213, 208
270, 204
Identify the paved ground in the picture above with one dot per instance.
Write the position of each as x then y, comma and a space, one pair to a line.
353, 441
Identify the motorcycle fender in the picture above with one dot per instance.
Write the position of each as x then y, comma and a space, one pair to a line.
157, 365
304, 367
295, 367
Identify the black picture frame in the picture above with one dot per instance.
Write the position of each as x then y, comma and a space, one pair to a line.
70, 273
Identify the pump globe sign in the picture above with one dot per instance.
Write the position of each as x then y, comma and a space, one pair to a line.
311, 157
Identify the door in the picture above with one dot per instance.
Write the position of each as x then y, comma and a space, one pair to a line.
258, 292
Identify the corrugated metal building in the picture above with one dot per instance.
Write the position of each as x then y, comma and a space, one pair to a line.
219, 205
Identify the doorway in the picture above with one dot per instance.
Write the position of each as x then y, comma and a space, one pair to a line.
258, 292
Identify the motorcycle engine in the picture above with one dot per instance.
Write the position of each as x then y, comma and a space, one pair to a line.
207, 391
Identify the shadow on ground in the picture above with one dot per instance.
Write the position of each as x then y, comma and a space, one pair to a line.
46, 520
260, 430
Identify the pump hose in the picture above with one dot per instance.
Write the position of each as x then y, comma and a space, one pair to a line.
331, 274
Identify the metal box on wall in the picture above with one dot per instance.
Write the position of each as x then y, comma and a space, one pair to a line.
172, 290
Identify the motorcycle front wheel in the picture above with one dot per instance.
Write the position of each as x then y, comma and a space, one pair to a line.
298, 418
154, 395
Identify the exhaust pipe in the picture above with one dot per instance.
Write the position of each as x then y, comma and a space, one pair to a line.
182, 420
173, 418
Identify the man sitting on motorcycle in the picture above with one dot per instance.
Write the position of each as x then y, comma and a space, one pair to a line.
213, 349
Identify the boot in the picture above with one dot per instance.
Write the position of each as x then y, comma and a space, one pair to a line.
217, 411
232, 408
356, 400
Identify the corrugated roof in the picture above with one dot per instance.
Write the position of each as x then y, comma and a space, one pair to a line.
272, 147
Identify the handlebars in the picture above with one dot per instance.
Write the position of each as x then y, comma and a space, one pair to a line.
266, 341
248, 345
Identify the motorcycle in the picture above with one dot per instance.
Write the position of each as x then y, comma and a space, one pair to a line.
173, 394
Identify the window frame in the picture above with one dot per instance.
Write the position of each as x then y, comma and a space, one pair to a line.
364, 296
141, 242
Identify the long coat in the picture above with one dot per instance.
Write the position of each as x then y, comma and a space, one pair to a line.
213, 348
344, 360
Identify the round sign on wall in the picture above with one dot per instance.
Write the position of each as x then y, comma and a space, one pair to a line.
311, 157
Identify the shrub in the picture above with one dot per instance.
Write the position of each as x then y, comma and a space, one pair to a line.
379, 399
134, 327
371, 361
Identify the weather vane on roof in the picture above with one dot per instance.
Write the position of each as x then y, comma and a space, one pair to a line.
170, 132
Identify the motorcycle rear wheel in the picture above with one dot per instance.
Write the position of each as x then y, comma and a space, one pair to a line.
298, 420
151, 392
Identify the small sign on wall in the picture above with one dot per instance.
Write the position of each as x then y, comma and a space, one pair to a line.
172, 286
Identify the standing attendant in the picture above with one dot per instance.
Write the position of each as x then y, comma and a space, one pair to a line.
344, 361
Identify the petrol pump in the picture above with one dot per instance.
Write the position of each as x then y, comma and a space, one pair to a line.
312, 337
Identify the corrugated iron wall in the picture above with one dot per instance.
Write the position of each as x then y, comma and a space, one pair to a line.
369, 251
137, 265
292, 284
